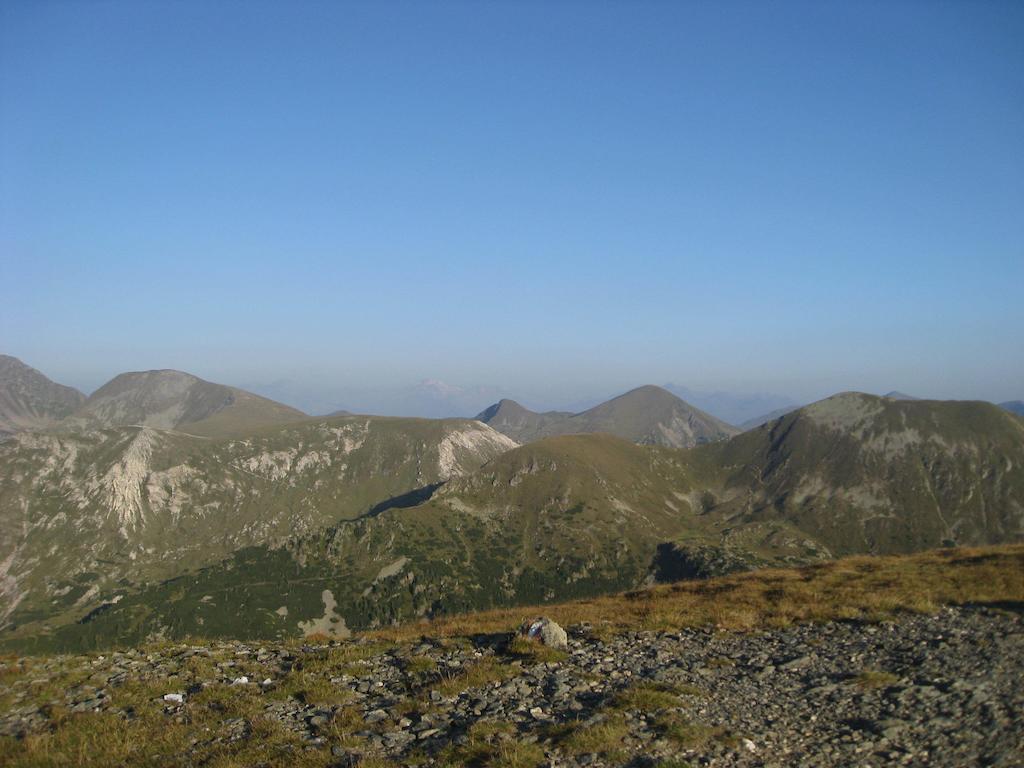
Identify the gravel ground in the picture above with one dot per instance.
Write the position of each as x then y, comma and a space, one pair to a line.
942, 690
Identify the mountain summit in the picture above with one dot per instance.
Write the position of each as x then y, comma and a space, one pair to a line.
861, 473
648, 415
520, 423
168, 399
29, 400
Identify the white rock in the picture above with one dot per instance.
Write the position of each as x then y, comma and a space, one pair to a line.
240, 680
177, 698
749, 745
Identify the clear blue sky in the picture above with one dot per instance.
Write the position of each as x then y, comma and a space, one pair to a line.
562, 199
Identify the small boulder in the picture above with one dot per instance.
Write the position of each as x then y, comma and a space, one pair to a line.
544, 630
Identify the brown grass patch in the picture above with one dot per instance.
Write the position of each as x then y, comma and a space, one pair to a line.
863, 588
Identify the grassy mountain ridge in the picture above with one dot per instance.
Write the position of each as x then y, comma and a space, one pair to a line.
765, 418
566, 517
85, 512
869, 474
580, 515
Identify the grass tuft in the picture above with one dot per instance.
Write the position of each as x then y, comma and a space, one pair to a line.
873, 678
492, 743
535, 651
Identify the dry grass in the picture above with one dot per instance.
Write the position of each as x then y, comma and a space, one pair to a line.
151, 739
534, 651
860, 588
603, 738
689, 734
419, 665
486, 670
649, 697
873, 678
493, 744
311, 683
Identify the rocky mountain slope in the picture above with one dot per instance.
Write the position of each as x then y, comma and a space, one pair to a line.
861, 473
168, 399
564, 517
904, 660
83, 513
647, 415
29, 400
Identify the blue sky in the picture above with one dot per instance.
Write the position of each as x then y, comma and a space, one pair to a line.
560, 200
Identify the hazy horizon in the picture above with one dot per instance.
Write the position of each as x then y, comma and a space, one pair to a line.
434, 398
554, 202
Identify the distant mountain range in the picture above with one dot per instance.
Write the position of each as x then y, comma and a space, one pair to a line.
163, 399
428, 398
647, 415
765, 418
733, 408
1013, 406
165, 505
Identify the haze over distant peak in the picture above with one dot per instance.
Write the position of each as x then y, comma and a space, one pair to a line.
647, 414
731, 407
897, 395
764, 418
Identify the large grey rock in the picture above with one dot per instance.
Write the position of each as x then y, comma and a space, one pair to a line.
547, 632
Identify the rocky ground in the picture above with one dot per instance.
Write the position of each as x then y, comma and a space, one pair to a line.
940, 690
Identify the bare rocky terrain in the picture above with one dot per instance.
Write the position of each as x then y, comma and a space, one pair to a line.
939, 690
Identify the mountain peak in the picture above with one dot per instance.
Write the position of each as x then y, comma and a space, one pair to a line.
30, 400
502, 408
170, 399
648, 390
897, 395
646, 414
